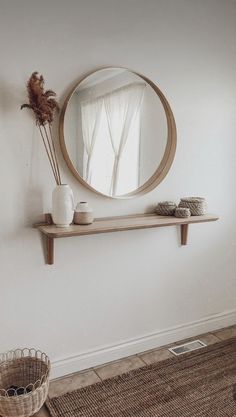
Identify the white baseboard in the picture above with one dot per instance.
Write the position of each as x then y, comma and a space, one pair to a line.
84, 360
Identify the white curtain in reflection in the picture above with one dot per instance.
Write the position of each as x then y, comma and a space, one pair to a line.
121, 106
91, 117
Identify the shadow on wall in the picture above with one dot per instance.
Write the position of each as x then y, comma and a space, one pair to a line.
23, 155
10, 97
33, 202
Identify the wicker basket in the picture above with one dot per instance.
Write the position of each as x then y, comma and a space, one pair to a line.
197, 205
166, 208
182, 212
24, 381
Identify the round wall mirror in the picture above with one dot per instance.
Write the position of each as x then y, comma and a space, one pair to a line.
117, 133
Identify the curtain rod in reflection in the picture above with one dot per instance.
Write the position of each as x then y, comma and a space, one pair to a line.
125, 87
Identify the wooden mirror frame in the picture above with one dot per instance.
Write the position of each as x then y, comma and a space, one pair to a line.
167, 158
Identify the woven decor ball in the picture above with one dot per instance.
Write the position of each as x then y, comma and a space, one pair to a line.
166, 208
197, 205
182, 212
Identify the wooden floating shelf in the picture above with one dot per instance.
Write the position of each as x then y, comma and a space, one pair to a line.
116, 224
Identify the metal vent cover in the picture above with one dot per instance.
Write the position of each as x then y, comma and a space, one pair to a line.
187, 347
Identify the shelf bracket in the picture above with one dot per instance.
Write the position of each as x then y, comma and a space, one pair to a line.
49, 241
184, 234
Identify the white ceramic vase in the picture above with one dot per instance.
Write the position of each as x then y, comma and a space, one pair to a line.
62, 205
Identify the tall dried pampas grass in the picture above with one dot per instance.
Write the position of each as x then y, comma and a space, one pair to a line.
44, 106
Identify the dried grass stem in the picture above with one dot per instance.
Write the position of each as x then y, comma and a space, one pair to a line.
49, 155
55, 154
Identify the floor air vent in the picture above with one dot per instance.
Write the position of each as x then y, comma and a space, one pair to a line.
187, 347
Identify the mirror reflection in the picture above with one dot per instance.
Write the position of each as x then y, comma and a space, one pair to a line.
115, 131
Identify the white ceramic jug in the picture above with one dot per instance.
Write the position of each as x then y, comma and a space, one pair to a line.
62, 205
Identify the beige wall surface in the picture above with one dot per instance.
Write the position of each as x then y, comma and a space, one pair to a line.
112, 295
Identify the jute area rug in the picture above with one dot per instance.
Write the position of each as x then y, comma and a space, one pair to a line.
197, 384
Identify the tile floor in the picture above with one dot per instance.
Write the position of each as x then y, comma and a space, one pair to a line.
91, 376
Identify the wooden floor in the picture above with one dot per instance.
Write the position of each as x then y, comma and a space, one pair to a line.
81, 379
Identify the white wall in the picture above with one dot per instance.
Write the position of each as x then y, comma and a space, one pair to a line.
128, 290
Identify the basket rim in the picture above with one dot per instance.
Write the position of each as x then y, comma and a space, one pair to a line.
193, 199
24, 395
19, 354
166, 203
183, 209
